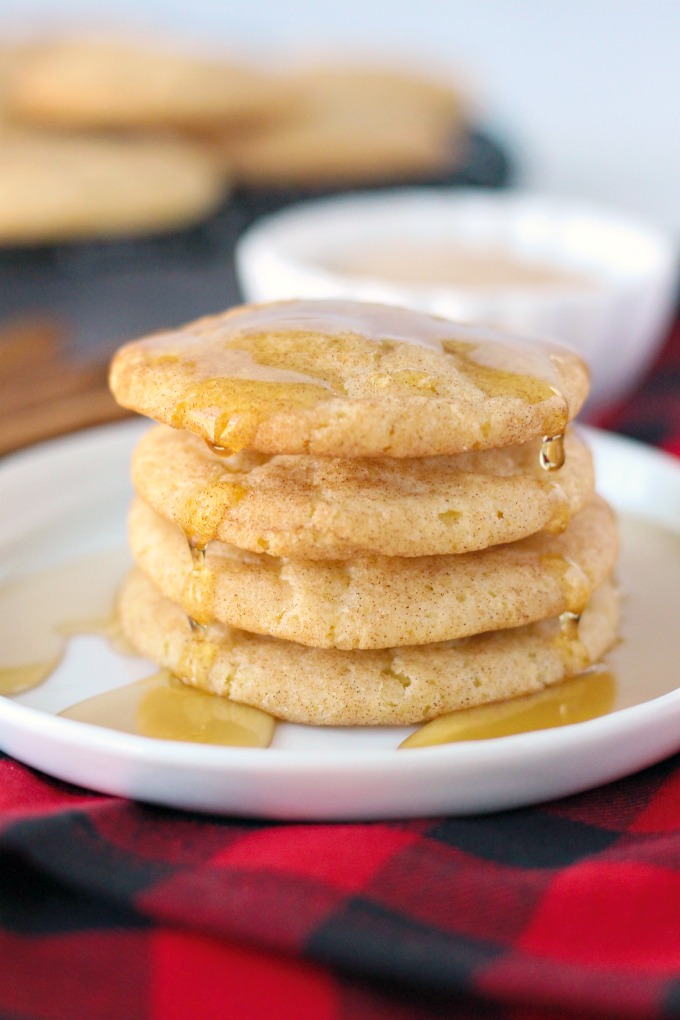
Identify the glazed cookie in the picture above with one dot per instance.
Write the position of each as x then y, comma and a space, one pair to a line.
351, 126
95, 83
67, 187
346, 379
391, 687
324, 509
378, 601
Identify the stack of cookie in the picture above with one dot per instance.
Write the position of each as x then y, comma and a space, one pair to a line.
98, 138
361, 514
102, 138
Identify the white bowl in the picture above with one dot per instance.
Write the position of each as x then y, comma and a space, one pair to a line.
614, 310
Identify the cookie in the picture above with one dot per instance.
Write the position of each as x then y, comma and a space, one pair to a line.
325, 509
67, 187
346, 379
101, 84
379, 601
391, 687
351, 126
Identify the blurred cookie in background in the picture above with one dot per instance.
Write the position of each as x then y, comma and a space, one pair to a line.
280, 136
94, 83
359, 127
59, 187
119, 207
351, 126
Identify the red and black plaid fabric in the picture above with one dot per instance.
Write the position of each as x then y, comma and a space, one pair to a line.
652, 415
111, 910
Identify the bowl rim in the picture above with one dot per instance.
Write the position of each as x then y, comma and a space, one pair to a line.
277, 241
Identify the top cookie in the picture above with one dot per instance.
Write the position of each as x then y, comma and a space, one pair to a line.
103, 84
346, 379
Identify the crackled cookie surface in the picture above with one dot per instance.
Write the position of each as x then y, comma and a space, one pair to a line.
345, 379
326, 508
398, 686
378, 601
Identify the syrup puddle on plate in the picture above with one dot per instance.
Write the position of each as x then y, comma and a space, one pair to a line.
42, 611
162, 707
38, 612
577, 699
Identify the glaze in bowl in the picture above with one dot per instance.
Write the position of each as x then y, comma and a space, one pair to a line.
596, 280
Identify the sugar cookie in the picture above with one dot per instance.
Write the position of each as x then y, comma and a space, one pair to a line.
71, 187
326, 508
394, 687
380, 601
346, 379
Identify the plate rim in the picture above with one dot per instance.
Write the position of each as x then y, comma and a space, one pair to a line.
136, 746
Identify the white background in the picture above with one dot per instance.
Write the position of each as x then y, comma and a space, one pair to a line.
586, 92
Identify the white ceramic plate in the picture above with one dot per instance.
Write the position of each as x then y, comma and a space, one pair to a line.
68, 497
